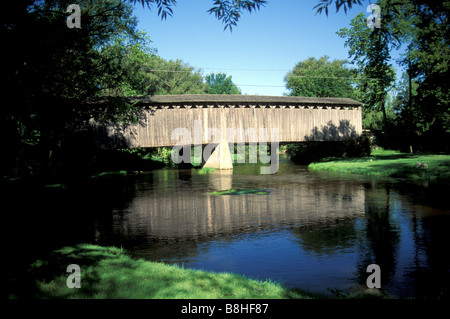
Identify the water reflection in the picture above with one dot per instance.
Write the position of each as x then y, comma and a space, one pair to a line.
315, 231
327, 239
177, 205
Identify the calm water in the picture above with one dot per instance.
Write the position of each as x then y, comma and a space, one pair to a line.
313, 230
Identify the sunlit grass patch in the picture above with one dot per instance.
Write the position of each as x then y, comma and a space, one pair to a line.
206, 170
391, 164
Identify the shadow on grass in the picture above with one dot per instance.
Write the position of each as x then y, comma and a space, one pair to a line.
47, 278
393, 156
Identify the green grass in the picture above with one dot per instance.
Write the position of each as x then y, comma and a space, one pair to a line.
107, 272
391, 164
206, 170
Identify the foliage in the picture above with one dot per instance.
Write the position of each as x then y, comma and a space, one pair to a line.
164, 6
131, 59
177, 77
48, 89
421, 28
221, 84
320, 78
373, 118
323, 5
229, 11
424, 111
163, 154
369, 50
307, 152
142, 72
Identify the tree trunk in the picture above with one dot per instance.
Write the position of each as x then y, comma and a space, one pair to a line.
50, 146
385, 120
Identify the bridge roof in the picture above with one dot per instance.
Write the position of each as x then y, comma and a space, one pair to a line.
256, 99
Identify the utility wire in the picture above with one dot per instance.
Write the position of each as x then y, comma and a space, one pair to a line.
273, 70
262, 70
282, 86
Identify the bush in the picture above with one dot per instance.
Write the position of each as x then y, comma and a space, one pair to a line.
307, 152
357, 147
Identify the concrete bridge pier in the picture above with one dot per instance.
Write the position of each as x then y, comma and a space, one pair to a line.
220, 157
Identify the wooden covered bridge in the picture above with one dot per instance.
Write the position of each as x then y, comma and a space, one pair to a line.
175, 120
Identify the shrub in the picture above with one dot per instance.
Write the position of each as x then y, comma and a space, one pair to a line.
307, 152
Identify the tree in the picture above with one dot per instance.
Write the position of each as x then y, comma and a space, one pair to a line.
143, 72
52, 73
320, 78
132, 61
369, 50
177, 77
221, 84
422, 28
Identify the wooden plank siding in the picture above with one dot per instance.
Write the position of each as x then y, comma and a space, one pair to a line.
297, 119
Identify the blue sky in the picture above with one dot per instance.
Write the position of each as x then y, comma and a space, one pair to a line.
259, 52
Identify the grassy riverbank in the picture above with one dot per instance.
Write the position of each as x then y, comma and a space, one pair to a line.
391, 164
107, 272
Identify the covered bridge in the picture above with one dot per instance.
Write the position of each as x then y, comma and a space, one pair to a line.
200, 119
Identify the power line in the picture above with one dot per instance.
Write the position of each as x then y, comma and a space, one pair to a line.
282, 86
295, 76
262, 85
281, 70
170, 71
332, 77
248, 70
359, 79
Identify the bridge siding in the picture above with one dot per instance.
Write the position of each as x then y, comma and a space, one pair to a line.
295, 125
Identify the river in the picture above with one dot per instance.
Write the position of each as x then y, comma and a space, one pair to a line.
316, 231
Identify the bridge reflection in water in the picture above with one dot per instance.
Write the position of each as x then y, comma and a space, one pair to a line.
177, 205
